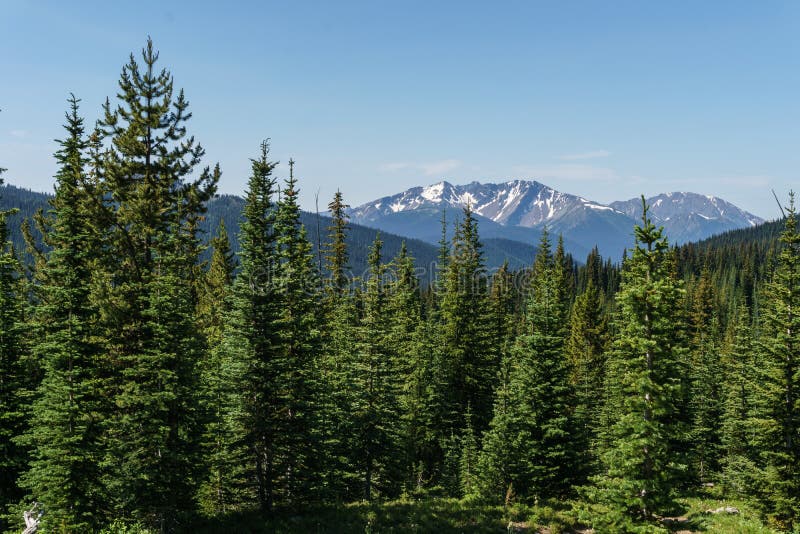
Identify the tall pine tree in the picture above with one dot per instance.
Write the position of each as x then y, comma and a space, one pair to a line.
221, 489
148, 299
529, 445
779, 390
298, 351
250, 346
14, 381
639, 468
65, 427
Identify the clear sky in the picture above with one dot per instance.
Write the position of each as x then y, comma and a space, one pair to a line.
606, 99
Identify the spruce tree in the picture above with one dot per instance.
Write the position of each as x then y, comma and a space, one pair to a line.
468, 467
148, 299
471, 364
502, 311
585, 348
14, 382
251, 347
739, 426
467, 365
374, 378
298, 353
639, 468
337, 332
220, 490
336, 255
215, 287
342, 478
65, 429
530, 444
410, 365
779, 390
705, 400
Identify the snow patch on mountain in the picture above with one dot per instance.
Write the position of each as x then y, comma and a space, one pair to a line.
527, 204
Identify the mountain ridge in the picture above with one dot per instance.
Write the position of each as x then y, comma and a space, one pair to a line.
229, 207
526, 207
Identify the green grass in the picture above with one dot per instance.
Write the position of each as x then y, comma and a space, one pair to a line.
430, 515
447, 515
747, 521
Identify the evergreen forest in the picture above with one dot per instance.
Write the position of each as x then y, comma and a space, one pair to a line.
153, 378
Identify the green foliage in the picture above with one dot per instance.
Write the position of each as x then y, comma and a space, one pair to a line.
739, 425
15, 371
471, 362
125, 527
298, 348
778, 404
530, 440
65, 431
249, 350
336, 256
148, 213
375, 409
640, 468
586, 353
220, 490
146, 382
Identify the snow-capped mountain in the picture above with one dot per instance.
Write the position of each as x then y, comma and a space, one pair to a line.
520, 209
518, 202
688, 216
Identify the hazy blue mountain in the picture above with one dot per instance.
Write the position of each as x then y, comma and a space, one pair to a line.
517, 210
520, 209
229, 208
688, 217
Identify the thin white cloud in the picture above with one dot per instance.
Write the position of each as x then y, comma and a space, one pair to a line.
440, 167
591, 154
569, 171
432, 168
19, 134
394, 167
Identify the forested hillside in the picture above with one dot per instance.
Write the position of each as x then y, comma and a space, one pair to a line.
144, 390
228, 208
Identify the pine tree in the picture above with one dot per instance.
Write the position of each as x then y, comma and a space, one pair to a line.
376, 411
471, 364
778, 391
220, 490
585, 348
251, 347
529, 444
14, 384
705, 402
298, 344
336, 255
739, 426
410, 364
65, 430
639, 467
148, 301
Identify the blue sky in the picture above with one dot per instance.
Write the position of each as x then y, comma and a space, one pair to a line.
603, 99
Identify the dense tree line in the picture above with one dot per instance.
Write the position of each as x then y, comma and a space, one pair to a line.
149, 377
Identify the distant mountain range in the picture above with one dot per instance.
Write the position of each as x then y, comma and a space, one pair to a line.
688, 217
229, 207
521, 209
511, 217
